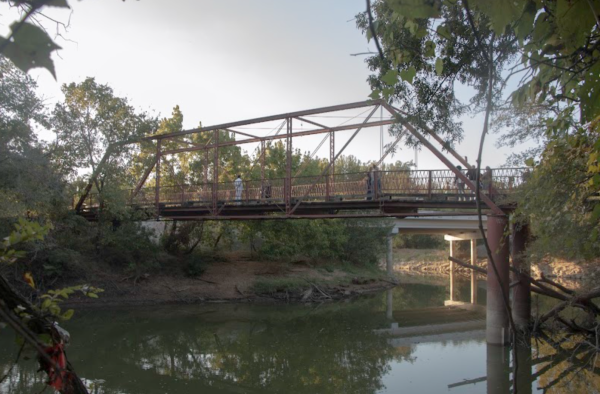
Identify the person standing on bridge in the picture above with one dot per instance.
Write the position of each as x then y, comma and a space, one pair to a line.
239, 187
486, 180
460, 185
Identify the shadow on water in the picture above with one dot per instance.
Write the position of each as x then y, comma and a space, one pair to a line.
401, 340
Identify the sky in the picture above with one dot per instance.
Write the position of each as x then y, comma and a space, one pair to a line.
228, 60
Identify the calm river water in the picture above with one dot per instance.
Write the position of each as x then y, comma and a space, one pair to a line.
368, 345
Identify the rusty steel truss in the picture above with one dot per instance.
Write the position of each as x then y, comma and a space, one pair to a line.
394, 193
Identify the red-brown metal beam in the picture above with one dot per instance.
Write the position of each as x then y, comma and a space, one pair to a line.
326, 170
309, 112
93, 177
311, 122
435, 136
157, 192
242, 133
282, 136
445, 160
143, 180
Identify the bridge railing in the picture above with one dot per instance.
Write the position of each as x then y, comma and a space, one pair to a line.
417, 184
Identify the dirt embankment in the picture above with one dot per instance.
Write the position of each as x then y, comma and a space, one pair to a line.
236, 279
434, 262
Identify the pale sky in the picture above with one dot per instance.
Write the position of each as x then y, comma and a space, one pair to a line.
228, 60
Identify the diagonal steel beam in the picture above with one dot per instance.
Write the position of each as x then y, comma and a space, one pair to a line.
445, 160
326, 170
241, 133
282, 136
435, 136
93, 177
143, 179
311, 122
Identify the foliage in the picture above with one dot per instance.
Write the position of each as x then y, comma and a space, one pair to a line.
24, 231
195, 265
24, 166
29, 45
560, 198
90, 119
419, 241
335, 240
128, 246
432, 49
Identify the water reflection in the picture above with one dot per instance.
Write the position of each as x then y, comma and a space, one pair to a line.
402, 340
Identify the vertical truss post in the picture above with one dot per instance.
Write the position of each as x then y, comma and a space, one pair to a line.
262, 167
288, 167
452, 278
215, 186
157, 191
332, 160
429, 184
206, 162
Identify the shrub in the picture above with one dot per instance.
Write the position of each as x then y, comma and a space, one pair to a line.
195, 266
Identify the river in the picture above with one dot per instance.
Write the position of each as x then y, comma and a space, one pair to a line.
366, 345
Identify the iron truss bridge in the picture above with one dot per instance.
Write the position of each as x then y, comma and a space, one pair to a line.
363, 194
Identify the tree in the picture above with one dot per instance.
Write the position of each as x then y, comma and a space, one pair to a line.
28, 183
429, 49
89, 120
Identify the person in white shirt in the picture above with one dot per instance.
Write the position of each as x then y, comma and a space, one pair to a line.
239, 186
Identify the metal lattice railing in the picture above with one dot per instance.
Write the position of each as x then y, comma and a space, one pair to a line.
419, 184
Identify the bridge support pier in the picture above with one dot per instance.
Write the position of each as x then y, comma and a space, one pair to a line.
498, 369
389, 261
497, 327
452, 278
473, 273
521, 303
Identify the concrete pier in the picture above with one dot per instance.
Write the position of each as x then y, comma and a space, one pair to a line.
521, 303
497, 331
389, 261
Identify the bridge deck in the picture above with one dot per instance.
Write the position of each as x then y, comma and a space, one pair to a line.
393, 193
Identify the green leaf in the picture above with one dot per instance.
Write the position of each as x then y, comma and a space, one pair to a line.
46, 303
30, 48
92, 295
409, 74
500, 12
589, 94
390, 78
574, 22
596, 212
411, 26
416, 8
375, 94
442, 31
429, 49
68, 314
439, 66
524, 25
530, 162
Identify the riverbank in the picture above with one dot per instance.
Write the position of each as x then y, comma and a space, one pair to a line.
573, 274
235, 278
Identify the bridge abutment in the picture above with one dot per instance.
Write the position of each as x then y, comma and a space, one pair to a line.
497, 327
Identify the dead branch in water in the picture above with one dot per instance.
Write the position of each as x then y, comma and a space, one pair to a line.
569, 298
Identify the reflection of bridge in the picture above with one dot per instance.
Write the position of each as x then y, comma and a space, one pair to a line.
394, 193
